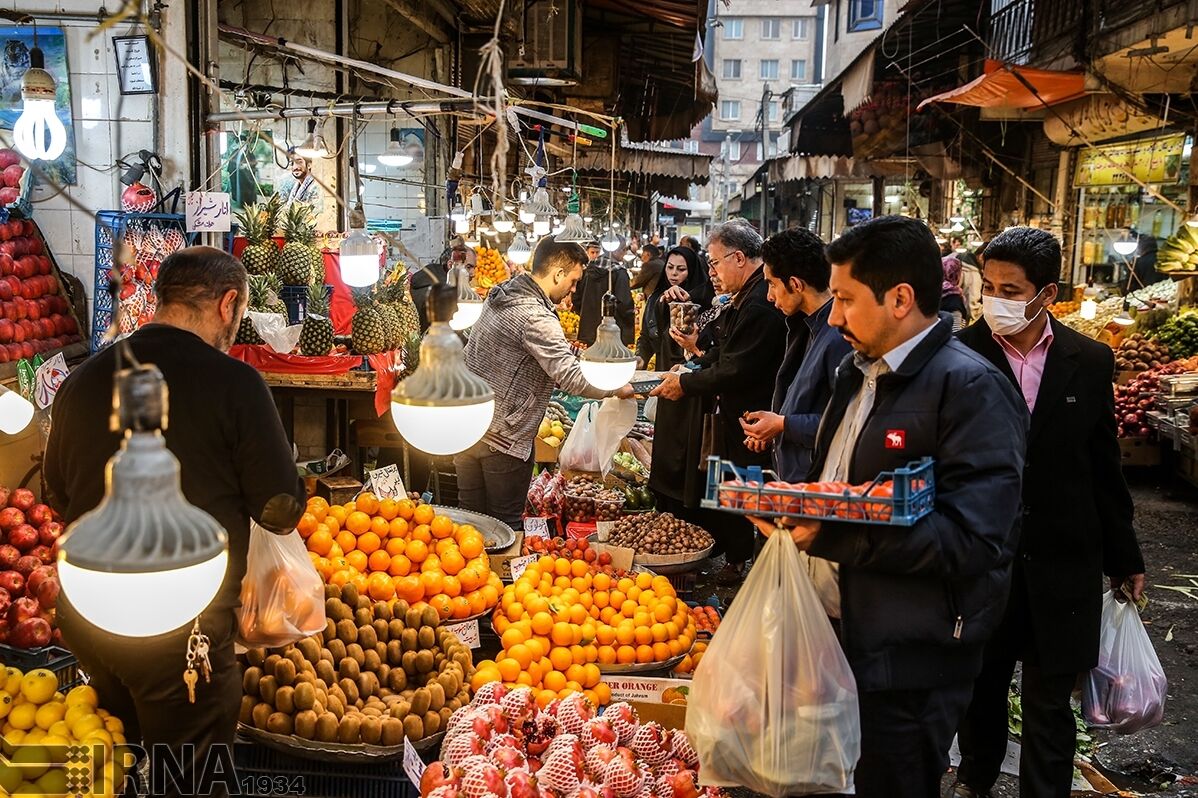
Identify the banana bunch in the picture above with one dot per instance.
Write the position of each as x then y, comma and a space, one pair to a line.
569, 320
490, 268
1179, 253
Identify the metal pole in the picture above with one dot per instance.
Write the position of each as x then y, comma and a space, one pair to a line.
209, 99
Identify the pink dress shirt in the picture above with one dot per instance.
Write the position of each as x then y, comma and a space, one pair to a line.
1029, 368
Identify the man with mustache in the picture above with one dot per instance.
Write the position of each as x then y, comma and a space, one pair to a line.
301, 186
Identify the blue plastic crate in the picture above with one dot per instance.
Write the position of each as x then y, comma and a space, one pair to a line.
913, 497
277, 774
295, 297
110, 232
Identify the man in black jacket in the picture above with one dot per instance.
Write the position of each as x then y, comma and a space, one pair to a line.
653, 266
600, 275
917, 603
1077, 519
739, 372
235, 463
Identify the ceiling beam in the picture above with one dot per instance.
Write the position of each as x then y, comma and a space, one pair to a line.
415, 14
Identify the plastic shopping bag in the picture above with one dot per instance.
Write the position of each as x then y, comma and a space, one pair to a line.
580, 452
282, 596
615, 419
1126, 691
773, 705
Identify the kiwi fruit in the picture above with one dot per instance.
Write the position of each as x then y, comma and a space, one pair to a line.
410, 639
260, 714
397, 679
368, 684
383, 671
382, 611
365, 603
336, 647
305, 724
285, 672
413, 728
446, 713
381, 629
305, 698
336, 705
400, 608
268, 665
356, 653
349, 731
409, 662
332, 591
255, 657
367, 636
450, 681
426, 638
380, 648
326, 656
372, 661
429, 617
436, 696
347, 631
424, 661
412, 618
349, 594
350, 688
249, 681
420, 702
363, 617
285, 700
325, 672
335, 610
326, 728
432, 722
330, 628
297, 659
349, 668
267, 686
393, 732
395, 629
372, 730
246, 713
401, 709
280, 723
394, 653
453, 705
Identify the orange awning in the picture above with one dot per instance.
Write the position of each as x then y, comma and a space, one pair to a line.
1000, 87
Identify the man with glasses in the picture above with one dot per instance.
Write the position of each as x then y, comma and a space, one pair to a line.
738, 373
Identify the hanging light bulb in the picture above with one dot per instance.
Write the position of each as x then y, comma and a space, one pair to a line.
477, 206
503, 223
15, 411
957, 227
458, 213
145, 561
629, 257
394, 155
443, 408
359, 259
461, 226
608, 364
573, 231
471, 241
38, 132
519, 252
610, 242
313, 146
1088, 309
543, 210
557, 230
526, 216
1125, 246
541, 227
470, 304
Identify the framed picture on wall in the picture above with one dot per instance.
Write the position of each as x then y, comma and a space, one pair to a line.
16, 42
136, 65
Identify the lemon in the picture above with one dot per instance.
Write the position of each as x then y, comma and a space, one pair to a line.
34, 735
49, 714
53, 782
34, 760
113, 724
23, 717
12, 738
84, 694
12, 680
118, 738
57, 747
60, 729
6, 704
39, 686
97, 737
76, 712
88, 723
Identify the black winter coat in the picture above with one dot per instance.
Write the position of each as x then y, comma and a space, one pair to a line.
588, 301
1077, 512
919, 603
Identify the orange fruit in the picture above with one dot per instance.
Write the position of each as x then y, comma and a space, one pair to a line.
406, 508
346, 540
484, 675
321, 541
542, 623
357, 559
459, 607
576, 673
509, 669
471, 579
592, 675
338, 513
662, 612
388, 509
578, 613
521, 654
578, 654
339, 578
367, 502
395, 546
562, 634
452, 561
381, 587
441, 526
625, 633
409, 588
421, 533
443, 605
369, 542
399, 565
607, 655
332, 523
450, 586
423, 514
431, 563
433, 581
554, 680
644, 653
515, 612
380, 527
602, 693
318, 506
417, 551
544, 697
478, 604
398, 528
471, 545
561, 566
579, 568
490, 595
625, 655
512, 637
358, 522
661, 652
560, 658
379, 560
307, 525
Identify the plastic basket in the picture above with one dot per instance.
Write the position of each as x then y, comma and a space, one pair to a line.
265, 773
747, 491
295, 297
111, 227
59, 661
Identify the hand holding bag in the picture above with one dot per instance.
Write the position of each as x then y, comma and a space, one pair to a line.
282, 595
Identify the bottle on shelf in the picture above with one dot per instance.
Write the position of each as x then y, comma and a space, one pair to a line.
1158, 221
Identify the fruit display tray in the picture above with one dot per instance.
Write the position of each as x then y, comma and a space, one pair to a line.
914, 495
660, 562
497, 536
664, 666
335, 752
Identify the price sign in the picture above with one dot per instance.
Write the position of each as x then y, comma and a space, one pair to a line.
466, 632
208, 212
47, 379
386, 483
520, 563
536, 527
604, 529
413, 765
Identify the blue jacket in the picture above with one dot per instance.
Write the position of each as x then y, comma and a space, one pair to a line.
803, 400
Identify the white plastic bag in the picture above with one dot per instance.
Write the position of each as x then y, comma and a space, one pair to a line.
1126, 690
275, 332
615, 419
282, 596
580, 451
773, 705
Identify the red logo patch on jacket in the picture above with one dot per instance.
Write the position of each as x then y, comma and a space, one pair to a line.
896, 439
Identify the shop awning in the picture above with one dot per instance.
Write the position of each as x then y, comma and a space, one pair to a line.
648, 159
1001, 86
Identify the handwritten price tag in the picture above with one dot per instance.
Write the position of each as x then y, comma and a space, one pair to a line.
413, 765
466, 632
386, 483
49, 376
208, 212
520, 563
536, 527
604, 529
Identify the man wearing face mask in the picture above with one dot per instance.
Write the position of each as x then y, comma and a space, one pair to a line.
1077, 519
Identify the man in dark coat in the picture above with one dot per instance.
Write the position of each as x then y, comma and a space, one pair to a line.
917, 603
600, 275
739, 372
653, 265
1077, 519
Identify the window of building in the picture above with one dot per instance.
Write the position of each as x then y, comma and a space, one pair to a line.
771, 29
798, 70
690, 145
865, 15
800, 28
774, 110
733, 150
734, 29
769, 69
731, 69
729, 109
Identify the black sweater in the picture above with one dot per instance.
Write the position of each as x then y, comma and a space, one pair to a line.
223, 427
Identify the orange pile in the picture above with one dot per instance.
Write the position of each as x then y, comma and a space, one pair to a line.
401, 549
562, 620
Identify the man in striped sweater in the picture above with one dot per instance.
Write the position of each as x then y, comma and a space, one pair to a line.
518, 347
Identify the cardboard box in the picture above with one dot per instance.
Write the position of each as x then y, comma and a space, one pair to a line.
1138, 452
501, 563
338, 490
544, 453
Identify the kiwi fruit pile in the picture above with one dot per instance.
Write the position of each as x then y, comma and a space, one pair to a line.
379, 672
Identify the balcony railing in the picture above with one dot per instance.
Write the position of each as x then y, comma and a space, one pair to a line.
1011, 30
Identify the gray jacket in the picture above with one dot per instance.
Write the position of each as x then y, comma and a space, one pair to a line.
518, 347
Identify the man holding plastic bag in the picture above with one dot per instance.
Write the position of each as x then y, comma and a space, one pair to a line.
918, 603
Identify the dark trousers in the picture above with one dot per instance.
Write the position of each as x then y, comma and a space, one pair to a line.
140, 681
905, 737
494, 483
1049, 734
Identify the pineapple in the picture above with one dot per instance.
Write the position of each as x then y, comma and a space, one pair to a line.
246, 332
261, 256
411, 354
390, 319
299, 253
272, 297
369, 335
395, 291
316, 337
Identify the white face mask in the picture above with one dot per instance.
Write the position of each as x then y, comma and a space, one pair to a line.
1008, 316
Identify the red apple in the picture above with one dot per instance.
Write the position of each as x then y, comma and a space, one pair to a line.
47, 593
11, 518
12, 175
30, 633
24, 537
39, 575
9, 555
13, 582
8, 157
44, 554
23, 499
4, 494
38, 514
5, 602
28, 563
49, 532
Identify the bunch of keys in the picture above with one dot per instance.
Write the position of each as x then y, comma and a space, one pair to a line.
197, 661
